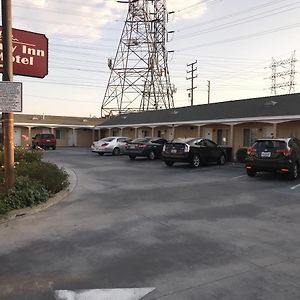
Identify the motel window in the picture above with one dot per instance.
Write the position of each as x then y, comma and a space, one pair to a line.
59, 134
222, 137
249, 136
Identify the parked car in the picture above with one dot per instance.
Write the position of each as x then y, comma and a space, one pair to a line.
274, 155
195, 151
150, 147
114, 145
44, 140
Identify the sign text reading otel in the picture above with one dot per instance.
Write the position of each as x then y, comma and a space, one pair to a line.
30, 53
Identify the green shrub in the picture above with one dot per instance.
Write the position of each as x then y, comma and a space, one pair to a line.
53, 178
241, 155
23, 155
26, 193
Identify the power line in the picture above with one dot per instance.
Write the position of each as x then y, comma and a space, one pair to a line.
271, 3
235, 23
243, 37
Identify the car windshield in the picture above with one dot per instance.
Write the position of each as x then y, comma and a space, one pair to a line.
141, 140
47, 136
269, 144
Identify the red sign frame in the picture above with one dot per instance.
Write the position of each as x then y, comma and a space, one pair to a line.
30, 53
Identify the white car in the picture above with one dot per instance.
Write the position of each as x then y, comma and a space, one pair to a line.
114, 145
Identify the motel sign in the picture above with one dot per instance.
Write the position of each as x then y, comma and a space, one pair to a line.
30, 53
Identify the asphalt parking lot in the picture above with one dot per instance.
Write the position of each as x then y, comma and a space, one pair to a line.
206, 233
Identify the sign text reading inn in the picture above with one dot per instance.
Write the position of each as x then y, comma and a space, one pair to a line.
30, 53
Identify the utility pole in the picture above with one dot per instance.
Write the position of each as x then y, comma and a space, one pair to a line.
8, 118
191, 94
208, 91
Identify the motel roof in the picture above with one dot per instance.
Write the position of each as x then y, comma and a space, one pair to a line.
264, 108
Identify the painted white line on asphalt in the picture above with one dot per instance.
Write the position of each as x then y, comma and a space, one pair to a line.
295, 186
237, 177
106, 294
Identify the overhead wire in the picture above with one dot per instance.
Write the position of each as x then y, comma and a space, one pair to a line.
259, 16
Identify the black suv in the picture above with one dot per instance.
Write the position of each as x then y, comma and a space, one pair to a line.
274, 155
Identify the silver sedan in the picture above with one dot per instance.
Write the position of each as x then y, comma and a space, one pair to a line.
114, 145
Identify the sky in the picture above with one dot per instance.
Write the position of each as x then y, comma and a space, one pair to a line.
232, 41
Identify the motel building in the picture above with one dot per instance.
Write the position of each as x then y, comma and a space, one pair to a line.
69, 131
235, 124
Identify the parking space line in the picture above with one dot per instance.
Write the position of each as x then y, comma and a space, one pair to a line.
295, 186
237, 177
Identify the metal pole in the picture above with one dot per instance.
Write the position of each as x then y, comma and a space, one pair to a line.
208, 92
8, 118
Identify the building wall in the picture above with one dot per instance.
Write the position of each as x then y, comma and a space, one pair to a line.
164, 132
129, 132
289, 129
186, 131
84, 137
258, 131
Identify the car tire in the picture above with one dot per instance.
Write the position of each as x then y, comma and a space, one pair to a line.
294, 172
195, 163
169, 163
132, 157
222, 160
251, 173
100, 153
152, 155
116, 152
53, 147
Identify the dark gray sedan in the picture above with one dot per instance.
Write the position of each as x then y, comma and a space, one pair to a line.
195, 151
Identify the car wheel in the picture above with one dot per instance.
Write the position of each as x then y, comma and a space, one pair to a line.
251, 173
169, 163
294, 172
53, 147
100, 153
132, 157
116, 151
222, 160
195, 161
151, 155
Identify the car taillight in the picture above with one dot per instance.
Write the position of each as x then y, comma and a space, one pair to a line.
142, 146
285, 152
186, 148
251, 150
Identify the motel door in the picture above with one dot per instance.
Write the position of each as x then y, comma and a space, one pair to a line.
17, 137
208, 133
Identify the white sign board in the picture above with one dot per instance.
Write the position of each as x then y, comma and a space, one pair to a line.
10, 96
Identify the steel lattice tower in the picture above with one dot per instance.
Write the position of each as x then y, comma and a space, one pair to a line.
279, 76
139, 78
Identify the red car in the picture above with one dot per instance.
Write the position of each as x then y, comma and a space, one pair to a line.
44, 140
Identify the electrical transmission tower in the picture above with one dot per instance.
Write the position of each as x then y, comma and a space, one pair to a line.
280, 72
139, 78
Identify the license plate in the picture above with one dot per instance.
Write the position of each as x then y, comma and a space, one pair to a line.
132, 147
265, 154
173, 151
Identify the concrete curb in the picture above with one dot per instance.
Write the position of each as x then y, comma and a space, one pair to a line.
28, 211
